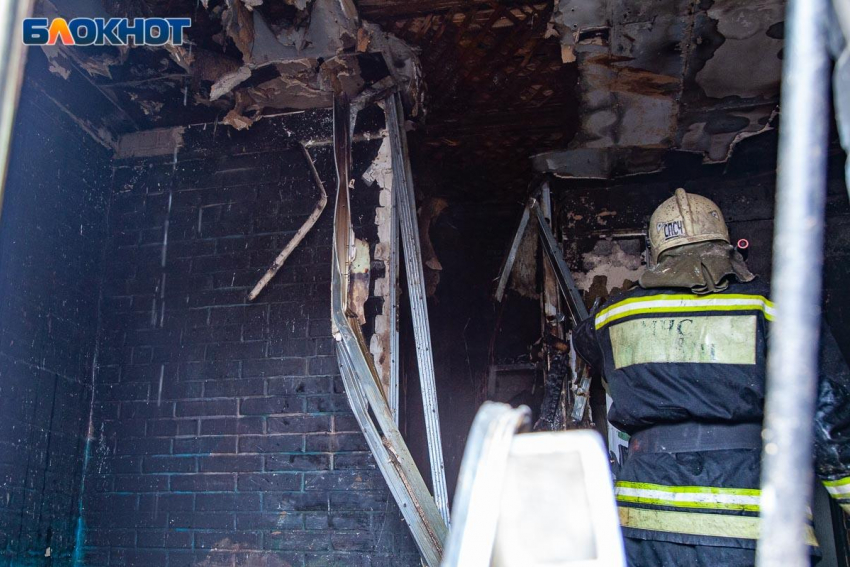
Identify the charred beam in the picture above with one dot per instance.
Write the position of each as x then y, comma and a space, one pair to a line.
398, 9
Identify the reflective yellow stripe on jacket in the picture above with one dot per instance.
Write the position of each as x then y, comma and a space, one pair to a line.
840, 490
703, 497
694, 502
694, 523
684, 303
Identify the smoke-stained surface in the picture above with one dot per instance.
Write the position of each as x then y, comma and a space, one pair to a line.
52, 228
654, 76
227, 438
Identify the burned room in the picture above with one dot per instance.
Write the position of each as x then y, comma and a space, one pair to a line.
442, 283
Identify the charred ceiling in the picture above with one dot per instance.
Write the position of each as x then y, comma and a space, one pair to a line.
494, 89
689, 75
243, 59
497, 90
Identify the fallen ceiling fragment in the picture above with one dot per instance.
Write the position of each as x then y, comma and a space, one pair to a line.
656, 76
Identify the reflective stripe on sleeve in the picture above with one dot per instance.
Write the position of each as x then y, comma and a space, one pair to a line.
838, 488
705, 497
689, 489
695, 523
683, 303
700, 497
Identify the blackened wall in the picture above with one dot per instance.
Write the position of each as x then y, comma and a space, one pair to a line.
223, 435
51, 229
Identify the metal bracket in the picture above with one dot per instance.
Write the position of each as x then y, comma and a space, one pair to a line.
392, 275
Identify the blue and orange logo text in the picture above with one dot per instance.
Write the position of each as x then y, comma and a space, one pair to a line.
102, 31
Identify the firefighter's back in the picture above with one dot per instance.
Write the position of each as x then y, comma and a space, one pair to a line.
686, 374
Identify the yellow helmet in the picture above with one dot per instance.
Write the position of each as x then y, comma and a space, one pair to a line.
685, 218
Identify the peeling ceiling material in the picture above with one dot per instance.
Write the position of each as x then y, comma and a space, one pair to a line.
656, 76
500, 78
489, 71
96, 62
300, 66
243, 59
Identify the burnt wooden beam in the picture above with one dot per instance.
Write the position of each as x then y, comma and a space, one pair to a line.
445, 21
448, 47
523, 83
535, 26
398, 9
456, 67
424, 28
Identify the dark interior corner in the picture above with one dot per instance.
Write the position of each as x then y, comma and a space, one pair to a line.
152, 415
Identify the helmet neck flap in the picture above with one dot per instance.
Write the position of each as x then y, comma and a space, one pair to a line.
704, 267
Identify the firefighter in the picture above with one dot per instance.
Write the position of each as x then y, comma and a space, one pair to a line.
684, 358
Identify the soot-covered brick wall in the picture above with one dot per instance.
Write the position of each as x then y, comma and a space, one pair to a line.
222, 432
51, 229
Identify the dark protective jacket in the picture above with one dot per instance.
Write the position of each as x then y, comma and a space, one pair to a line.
672, 357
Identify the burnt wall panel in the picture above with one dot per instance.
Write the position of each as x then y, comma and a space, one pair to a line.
223, 434
51, 232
